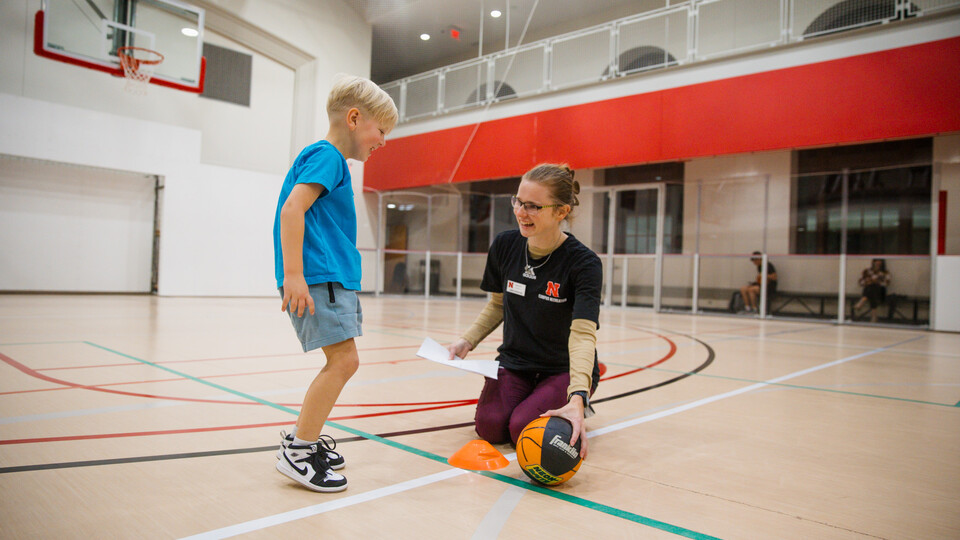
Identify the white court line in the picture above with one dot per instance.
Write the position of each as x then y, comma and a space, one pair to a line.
499, 513
300, 513
293, 515
745, 389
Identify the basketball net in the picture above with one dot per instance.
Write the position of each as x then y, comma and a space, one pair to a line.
138, 71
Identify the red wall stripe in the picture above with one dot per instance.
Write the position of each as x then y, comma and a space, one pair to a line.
906, 92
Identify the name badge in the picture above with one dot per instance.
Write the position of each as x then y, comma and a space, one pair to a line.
516, 288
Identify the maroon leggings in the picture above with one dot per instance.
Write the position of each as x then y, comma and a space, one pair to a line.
513, 400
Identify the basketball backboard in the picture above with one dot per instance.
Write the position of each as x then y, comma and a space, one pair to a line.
89, 32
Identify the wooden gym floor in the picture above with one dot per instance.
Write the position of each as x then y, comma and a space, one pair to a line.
147, 417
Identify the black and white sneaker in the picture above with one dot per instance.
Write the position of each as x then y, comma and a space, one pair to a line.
325, 444
306, 465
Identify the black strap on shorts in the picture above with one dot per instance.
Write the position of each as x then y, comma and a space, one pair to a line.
333, 299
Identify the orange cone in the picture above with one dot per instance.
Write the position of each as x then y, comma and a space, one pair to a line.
478, 455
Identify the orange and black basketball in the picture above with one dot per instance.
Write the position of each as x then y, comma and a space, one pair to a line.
545, 453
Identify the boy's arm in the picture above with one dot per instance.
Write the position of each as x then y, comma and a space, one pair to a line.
296, 294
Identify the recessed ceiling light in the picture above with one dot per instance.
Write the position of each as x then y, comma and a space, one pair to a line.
189, 32
424, 36
495, 13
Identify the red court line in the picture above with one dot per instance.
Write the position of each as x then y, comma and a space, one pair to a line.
251, 357
41, 376
631, 339
670, 353
436, 405
33, 373
216, 428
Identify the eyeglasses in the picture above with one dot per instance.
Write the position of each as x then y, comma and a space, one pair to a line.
530, 208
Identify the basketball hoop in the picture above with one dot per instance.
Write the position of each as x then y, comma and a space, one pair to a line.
138, 71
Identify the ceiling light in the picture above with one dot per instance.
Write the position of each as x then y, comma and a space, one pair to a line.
189, 32
495, 13
424, 36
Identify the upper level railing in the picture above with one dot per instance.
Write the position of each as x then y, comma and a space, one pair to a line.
685, 33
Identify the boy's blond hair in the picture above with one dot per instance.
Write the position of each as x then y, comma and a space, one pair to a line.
352, 91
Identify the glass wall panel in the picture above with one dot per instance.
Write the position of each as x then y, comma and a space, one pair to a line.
473, 264
503, 216
393, 90
807, 287
677, 289
732, 225
369, 267
732, 216
720, 277
443, 274
640, 272
405, 227
462, 85
580, 59
904, 300
820, 17
525, 75
652, 42
443, 239
423, 96
727, 26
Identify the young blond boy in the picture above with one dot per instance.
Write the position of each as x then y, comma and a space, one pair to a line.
318, 268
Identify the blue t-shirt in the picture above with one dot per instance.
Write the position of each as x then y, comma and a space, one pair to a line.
330, 224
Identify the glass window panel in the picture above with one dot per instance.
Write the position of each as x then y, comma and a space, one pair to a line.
479, 222
890, 218
504, 218
834, 223
921, 217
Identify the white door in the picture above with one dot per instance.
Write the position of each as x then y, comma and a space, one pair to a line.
66, 228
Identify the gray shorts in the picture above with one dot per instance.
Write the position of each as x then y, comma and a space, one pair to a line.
338, 317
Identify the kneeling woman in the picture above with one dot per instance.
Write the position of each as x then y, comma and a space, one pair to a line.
545, 288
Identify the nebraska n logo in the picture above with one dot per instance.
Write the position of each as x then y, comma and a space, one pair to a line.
553, 289
553, 294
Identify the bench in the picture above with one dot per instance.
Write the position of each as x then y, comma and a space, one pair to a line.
898, 306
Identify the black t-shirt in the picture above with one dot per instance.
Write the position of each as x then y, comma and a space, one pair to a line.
537, 312
771, 282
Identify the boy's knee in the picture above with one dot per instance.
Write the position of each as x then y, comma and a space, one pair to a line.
344, 365
348, 365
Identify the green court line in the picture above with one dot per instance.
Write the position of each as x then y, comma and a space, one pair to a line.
800, 387
616, 512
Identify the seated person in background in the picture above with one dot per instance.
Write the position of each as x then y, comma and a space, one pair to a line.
751, 291
874, 281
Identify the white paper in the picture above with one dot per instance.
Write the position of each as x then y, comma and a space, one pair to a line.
435, 352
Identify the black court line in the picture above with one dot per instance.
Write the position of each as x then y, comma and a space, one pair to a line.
190, 455
711, 355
